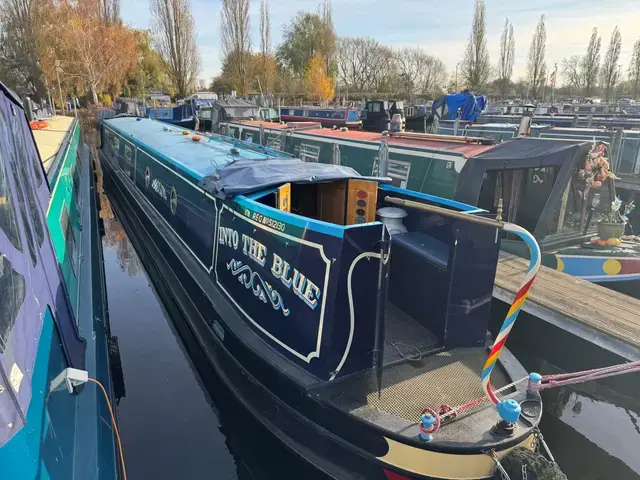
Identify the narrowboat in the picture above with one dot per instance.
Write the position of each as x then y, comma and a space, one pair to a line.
178, 115
354, 330
328, 117
57, 357
466, 168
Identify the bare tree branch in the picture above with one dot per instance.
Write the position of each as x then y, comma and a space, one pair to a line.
537, 66
507, 55
591, 63
236, 40
476, 68
175, 39
611, 71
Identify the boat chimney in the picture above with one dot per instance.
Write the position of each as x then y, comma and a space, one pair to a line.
383, 158
526, 120
335, 158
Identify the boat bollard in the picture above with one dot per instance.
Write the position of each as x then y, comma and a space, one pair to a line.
535, 379
427, 423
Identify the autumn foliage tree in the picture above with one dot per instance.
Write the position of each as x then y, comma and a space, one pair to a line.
319, 85
94, 53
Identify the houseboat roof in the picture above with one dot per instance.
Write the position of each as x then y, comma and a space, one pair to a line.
222, 166
454, 145
50, 139
197, 158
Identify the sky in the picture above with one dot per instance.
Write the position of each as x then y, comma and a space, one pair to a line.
440, 28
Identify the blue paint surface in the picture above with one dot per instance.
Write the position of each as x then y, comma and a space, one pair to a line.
463, 207
197, 159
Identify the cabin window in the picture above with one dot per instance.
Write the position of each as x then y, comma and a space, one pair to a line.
399, 173
309, 153
375, 107
128, 154
173, 202
12, 294
69, 239
8, 219
22, 204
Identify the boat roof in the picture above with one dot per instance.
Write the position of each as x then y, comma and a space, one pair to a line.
198, 159
218, 171
456, 146
50, 138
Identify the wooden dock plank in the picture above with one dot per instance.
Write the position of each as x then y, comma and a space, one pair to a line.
591, 305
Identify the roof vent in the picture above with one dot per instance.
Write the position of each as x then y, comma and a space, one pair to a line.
235, 151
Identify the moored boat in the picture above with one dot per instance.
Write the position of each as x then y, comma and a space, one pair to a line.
327, 117
285, 276
54, 324
473, 170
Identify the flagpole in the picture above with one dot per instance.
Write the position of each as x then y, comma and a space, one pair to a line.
553, 83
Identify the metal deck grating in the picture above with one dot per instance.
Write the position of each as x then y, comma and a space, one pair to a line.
450, 378
406, 335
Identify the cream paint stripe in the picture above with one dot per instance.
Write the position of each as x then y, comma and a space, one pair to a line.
449, 466
352, 316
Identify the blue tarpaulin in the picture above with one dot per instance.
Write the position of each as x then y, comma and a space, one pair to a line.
470, 106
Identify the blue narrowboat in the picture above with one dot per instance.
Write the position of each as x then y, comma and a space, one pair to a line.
354, 330
57, 397
328, 117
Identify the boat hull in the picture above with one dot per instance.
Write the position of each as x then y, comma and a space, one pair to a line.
339, 445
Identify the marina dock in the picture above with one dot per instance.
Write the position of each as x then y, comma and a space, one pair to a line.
602, 316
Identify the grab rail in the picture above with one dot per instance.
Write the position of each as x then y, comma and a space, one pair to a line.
521, 296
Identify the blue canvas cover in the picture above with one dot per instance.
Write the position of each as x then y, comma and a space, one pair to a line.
30, 281
470, 105
246, 176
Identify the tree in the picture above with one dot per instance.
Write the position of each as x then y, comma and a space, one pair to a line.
536, 66
236, 41
109, 11
93, 55
475, 67
610, 73
507, 55
149, 74
591, 63
317, 82
265, 29
571, 72
307, 34
22, 45
175, 40
634, 70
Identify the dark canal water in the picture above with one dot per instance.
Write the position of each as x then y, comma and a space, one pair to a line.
173, 427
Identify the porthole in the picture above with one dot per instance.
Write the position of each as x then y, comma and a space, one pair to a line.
173, 203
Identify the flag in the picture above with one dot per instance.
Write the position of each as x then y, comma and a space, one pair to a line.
553, 79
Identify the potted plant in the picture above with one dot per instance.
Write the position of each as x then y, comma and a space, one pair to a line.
612, 224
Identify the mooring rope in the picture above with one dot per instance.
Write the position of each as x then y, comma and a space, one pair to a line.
514, 310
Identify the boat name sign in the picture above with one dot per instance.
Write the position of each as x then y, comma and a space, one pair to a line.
291, 278
259, 266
